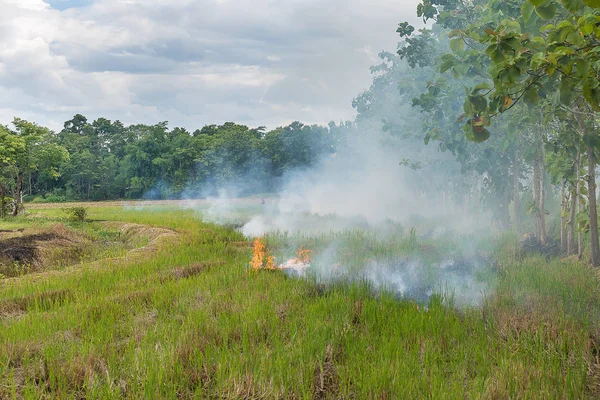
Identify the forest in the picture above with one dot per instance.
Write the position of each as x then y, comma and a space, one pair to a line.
106, 160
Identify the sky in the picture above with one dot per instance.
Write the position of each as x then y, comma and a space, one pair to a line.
191, 62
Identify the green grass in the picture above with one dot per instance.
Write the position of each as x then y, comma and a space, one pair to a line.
190, 321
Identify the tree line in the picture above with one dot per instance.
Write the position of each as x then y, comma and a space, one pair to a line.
103, 159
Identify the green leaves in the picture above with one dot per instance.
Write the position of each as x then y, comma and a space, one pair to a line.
573, 5
448, 61
457, 44
546, 11
527, 10
532, 95
583, 67
565, 91
404, 29
481, 86
592, 3
538, 3
478, 103
513, 73
475, 130
591, 92
496, 53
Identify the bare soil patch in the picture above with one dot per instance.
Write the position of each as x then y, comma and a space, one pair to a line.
46, 249
30, 250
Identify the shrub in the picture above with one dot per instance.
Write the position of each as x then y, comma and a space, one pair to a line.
76, 213
8, 205
54, 198
28, 198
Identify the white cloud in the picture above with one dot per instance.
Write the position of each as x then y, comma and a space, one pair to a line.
259, 62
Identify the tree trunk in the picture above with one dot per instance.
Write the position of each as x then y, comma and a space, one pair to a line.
506, 211
571, 234
19, 197
578, 206
563, 218
3, 196
542, 196
594, 244
536, 201
539, 190
516, 200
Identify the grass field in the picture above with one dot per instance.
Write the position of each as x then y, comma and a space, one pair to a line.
183, 317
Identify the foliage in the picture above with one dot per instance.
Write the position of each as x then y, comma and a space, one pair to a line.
107, 160
78, 214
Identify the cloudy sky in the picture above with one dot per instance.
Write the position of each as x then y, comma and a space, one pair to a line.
191, 62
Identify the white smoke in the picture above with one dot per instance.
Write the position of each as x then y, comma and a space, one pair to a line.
363, 184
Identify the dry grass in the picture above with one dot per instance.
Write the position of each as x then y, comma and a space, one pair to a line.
141, 203
154, 235
326, 379
192, 270
34, 249
40, 302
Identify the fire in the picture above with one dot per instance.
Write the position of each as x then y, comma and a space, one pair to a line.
303, 256
262, 258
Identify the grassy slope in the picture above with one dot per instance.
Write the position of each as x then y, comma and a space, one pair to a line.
190, 321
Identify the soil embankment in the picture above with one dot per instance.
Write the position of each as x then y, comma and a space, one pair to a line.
33, 250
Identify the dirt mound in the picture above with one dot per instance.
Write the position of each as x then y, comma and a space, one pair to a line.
25, 251
53, 249
152, 233
22, 249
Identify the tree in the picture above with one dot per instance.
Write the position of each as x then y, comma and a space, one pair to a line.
542, 52
532, 59
10, 147
40, 152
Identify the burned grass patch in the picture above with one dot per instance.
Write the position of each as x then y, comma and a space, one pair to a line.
34, 250
24, 252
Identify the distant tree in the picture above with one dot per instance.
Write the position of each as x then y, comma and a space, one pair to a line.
40, 152
11, 146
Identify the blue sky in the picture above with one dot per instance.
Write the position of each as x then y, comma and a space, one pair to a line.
191, 62
66, 4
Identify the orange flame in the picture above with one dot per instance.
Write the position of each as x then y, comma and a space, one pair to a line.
304, 255
262, 258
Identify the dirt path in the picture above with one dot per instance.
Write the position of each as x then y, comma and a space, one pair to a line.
149, 203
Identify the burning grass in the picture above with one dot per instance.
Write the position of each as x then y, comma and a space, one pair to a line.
213, 330
262, 259
408, 267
